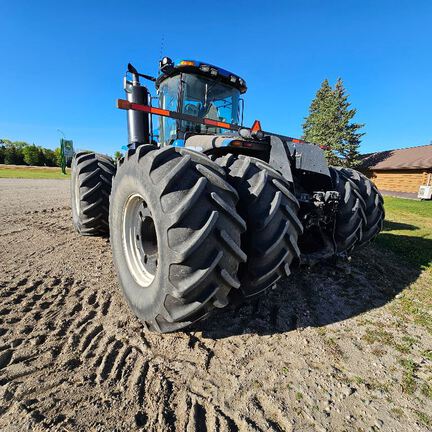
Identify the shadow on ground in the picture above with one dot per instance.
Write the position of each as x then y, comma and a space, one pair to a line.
416, 251
398, 226
327, 294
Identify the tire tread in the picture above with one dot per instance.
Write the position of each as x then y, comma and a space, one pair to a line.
94, 173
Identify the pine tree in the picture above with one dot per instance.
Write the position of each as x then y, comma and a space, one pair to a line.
328, 125
349, 137
320, 126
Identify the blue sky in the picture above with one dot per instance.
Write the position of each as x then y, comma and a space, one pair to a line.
61, 63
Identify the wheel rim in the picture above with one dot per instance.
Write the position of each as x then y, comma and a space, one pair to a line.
140, 240
77, 195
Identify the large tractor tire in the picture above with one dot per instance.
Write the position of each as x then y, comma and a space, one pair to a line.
343, 234
372, 203
91, 181
270, 210
175, 235
350, 217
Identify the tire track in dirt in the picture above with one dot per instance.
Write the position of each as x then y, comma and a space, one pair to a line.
72, 356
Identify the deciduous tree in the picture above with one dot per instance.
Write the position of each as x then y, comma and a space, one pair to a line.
118, 155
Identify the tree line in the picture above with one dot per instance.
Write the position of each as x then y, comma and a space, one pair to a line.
23, 153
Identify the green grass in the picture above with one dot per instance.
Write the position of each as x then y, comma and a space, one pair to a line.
299, 396
32, 172
408, 233
358, 380
378, 335
426, 390
424, 418
427, 354
408, 230
407, 208
398, 412
408, 376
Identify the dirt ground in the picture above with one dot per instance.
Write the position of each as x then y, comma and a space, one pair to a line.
322, 352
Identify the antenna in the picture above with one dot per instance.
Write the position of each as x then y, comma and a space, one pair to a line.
162, 46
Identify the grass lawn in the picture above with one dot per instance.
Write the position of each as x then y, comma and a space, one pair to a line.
408, 230
408, 233
25, 172
404, 252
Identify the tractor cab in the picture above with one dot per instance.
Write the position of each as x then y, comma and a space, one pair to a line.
199, 90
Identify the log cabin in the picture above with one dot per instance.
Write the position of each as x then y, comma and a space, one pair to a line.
401, 170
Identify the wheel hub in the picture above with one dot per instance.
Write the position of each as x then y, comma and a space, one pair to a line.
140, 241
77, 195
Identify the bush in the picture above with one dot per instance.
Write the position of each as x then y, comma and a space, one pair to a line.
22, 153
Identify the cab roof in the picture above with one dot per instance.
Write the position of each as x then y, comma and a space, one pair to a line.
168, 68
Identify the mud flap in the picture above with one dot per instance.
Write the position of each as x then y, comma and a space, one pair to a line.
279, 157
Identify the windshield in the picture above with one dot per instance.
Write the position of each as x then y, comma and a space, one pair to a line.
201, 97
168, 99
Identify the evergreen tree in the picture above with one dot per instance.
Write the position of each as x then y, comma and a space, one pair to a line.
349, 135
320, 126
328, 125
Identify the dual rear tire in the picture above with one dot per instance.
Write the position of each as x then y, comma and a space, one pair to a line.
371, 203
270, 210
358, 218
360, 214
349, 221
91, 181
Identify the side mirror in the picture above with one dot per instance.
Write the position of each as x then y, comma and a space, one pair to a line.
131, 69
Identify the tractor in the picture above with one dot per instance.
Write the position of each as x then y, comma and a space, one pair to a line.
203, 211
